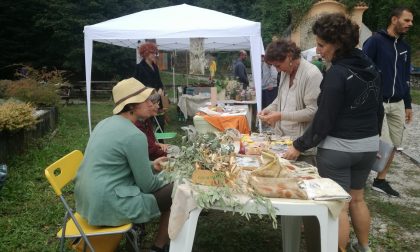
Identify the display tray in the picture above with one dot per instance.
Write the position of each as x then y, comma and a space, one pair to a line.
248, 162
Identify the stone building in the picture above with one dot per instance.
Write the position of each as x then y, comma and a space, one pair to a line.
302, 35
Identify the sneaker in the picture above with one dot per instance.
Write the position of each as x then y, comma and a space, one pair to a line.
356, 247
383, 186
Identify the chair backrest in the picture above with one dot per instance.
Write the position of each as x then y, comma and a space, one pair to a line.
64, 170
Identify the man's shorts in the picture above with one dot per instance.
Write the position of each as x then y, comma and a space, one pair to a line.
393, 124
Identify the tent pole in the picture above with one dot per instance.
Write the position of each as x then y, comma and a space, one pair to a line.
187, 66
173, 74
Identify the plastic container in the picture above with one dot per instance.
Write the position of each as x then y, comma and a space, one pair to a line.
166, 135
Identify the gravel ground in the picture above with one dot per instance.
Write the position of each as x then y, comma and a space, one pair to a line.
402, 174
403, 177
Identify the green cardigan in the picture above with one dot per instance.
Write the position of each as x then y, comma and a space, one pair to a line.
115, 182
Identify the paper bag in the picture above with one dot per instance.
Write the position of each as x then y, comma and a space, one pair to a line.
385, 150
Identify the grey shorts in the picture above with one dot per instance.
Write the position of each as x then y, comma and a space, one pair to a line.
349, 169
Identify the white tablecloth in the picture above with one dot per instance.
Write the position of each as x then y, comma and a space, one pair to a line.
189, 104
185, 213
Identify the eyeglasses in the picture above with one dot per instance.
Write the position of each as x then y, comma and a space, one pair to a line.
154, 98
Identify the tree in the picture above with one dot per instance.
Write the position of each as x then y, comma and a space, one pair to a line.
50, 32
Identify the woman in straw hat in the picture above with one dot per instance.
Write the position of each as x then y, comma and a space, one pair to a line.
116, 183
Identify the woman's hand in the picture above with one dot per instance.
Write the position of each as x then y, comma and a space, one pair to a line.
292, 153
270, 117
164, 147
157, 163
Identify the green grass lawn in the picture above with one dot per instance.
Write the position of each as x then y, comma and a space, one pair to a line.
415, 96
30, 212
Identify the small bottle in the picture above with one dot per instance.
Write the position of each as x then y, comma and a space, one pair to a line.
241, 148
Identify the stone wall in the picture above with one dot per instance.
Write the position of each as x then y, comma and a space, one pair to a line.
415, 81
15, 143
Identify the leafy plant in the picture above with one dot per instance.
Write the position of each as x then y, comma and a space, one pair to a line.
29, 90
4, 84
220, 85
214, 152
15, 116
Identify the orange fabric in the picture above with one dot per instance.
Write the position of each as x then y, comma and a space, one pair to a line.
224, 122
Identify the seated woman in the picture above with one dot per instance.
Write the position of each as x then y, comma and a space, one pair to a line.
116, 183
156, 149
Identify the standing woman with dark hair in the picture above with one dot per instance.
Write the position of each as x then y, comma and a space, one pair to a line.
147, 72
347, 125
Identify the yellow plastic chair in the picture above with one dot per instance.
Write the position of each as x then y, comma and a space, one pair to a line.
61, 173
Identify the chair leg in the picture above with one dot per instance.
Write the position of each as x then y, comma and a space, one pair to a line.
63, 232
158, 127
135, 236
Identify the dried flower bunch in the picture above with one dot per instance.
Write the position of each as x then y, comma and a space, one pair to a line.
212, 152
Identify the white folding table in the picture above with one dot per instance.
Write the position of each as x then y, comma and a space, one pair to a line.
290, 211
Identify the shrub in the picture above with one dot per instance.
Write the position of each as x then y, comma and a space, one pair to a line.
30, 90
15, 116
4, 84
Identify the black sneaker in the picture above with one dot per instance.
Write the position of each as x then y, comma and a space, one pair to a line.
381, 185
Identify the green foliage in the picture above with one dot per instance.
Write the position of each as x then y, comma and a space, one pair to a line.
4, 85
15, 116
221, 84
50, 33
415, 96
30, 212
36, 86
213, 152
29, 90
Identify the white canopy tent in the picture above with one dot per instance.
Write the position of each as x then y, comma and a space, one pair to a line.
172, 27
309, 53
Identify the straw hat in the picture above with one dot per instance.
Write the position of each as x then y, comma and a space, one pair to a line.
129, 91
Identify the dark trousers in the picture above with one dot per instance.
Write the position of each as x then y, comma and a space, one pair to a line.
268, 96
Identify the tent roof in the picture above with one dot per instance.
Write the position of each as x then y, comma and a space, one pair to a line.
173, 26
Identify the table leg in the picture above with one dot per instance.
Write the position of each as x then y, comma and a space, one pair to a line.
185, 238
290, 232
329, 231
